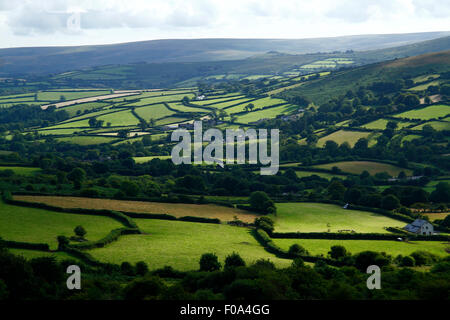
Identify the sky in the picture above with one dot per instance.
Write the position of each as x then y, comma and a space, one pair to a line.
26, 23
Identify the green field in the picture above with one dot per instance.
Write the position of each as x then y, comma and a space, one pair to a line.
357, 167
73, 109
425, 85
43, 226
437, 125
180, 245
329, 176
320, 217
394, 248
121, 118
31, 254
342, 136
156, 111
86, 140
380, 124
21, 170
266, 113
69, 95
182, 108
427, 113
150, 158
164, 98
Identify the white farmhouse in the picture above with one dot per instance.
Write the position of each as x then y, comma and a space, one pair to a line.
420, 226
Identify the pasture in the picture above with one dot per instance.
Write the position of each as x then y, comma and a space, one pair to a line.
394, 248
156, 111
320, 217
266, 113
427, 113
25, 171
86, 140
43, 226
180, 245
380, 124
341, 136
436, 125
69, 95
357, 167
176, 209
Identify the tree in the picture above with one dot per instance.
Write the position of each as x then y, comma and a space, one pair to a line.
337, 252
390, 202
209, 262
234, 260
80, 231
62, 242
77, 176
297, 250
123, 133
392, 125
441, 193
336, 190
260, 202
130, 188
141, 268
265, 223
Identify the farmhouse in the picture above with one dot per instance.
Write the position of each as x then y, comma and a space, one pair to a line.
420, 226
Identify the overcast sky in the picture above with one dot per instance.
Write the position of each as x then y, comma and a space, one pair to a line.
79, 22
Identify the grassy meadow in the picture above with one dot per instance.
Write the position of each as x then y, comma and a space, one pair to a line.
320, 217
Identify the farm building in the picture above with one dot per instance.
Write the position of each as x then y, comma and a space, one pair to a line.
420, 226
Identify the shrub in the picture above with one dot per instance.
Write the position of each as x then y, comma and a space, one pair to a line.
141, 268
145, 288
209, 262
297, 250
423, 258
234, 260
265, 223
80, 231
337, 252
367, 258
407, 261
260, 202
127, 269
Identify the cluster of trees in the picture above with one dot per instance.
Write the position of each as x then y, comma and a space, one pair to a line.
45, 278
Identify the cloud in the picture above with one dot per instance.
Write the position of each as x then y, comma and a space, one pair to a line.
142, 19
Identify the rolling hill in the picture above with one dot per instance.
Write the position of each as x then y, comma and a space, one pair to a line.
44, 60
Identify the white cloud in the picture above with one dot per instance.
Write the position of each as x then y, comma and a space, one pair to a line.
44, 22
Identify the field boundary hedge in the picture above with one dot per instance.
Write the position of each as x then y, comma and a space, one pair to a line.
114, 235
356, 236
266, 241
119, 216
123, 217
25, 245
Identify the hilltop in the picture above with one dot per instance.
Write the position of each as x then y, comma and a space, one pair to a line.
44, 60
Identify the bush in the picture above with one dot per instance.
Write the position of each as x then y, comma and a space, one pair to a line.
90, 193
80, 231
423, 258
407, 261
367, 258
234, 260
141, 268
265, 223
209, 262
337, 252
297, 250
127, 269
260, 202
145, 288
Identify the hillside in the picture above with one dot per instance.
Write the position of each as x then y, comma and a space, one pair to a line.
46, 60
338, 83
